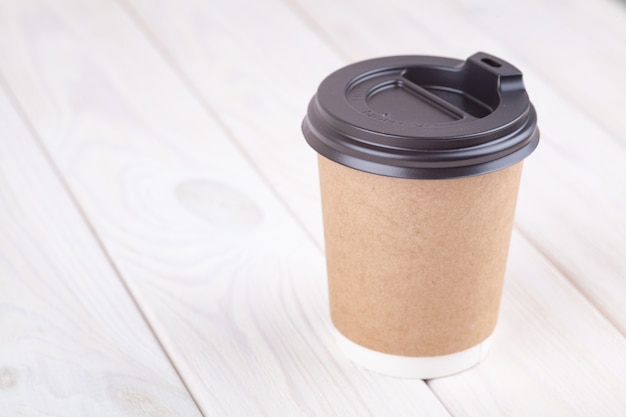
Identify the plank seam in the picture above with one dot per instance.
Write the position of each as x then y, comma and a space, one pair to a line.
561, 272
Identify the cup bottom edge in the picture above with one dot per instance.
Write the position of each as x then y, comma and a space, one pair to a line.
427, 367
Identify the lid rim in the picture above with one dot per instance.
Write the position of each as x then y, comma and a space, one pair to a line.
338, 129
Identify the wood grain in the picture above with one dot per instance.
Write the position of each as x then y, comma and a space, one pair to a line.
72, 342
233, 288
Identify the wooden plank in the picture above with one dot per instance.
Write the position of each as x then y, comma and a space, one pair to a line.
234, 289
186, 30
72, 342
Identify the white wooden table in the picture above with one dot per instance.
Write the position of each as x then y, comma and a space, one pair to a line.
160, 229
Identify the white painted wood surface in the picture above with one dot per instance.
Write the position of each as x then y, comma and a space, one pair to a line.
175, 125
72, 341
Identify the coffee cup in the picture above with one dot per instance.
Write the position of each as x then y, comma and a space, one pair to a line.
420, 160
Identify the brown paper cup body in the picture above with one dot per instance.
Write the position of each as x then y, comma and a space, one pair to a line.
416, 267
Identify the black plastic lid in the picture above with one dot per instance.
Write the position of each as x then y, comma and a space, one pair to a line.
423, 117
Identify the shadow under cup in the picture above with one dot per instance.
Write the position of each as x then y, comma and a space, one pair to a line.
420, 160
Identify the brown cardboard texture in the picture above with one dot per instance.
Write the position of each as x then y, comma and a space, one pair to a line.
416, 267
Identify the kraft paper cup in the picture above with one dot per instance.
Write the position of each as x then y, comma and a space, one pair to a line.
420, 161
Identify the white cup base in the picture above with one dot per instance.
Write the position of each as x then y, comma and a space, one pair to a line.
425, 367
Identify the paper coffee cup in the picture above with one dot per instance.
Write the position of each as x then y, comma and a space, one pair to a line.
420, 161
